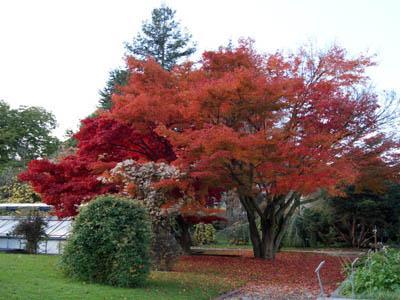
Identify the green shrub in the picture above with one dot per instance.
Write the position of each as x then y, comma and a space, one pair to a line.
109, 243
237, 233
379, 273
204, 234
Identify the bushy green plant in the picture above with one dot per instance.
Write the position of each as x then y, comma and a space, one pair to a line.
377, 273
204, 234
109, 243
32, 228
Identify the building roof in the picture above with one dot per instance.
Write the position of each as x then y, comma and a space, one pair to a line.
33, 206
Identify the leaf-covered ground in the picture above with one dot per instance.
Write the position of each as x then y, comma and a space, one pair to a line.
289, 274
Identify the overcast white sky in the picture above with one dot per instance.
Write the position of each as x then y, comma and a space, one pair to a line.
57, 54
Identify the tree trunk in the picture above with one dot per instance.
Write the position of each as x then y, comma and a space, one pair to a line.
184, 238
254, 236
353, 232
274, 221
269, 242
264, 242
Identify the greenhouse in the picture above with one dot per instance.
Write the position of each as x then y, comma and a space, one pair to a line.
57, 229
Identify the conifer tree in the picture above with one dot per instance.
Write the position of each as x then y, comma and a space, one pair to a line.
162, 39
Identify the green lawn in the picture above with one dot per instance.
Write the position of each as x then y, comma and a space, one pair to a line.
225, 245
37, 277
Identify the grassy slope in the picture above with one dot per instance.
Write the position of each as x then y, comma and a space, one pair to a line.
37, 277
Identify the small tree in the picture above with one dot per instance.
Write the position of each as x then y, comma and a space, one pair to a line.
33, 230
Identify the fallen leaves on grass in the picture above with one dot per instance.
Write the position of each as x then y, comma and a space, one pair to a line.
289, 271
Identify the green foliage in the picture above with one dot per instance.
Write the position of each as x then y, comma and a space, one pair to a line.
163, 39
25, 134
69, 143
380, 272
116, 78
380, 296
366, 210
310, 228
204, 234
33, 229
348, 221
236, 234
109, 243
16, 191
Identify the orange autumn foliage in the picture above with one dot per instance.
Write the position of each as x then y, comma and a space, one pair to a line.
276, 128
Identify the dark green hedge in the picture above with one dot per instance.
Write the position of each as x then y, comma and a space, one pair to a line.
109, 243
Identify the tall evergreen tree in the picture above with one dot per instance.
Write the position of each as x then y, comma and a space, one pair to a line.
161, 38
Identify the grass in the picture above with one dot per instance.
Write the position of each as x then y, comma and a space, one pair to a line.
222, 243
37, 277
226, 245
381, 296
376, 296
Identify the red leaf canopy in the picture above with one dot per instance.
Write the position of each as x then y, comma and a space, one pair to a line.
102, 143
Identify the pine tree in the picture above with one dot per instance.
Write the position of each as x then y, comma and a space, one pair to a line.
163, 39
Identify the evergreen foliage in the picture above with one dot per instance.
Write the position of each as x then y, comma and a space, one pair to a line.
116, 78
348, 220
162, 39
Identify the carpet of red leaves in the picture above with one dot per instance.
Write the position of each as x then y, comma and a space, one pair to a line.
289, 272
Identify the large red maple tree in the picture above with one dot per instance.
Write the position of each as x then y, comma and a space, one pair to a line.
278, 129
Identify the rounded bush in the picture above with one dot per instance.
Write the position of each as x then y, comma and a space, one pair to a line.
109, 243
204, 234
